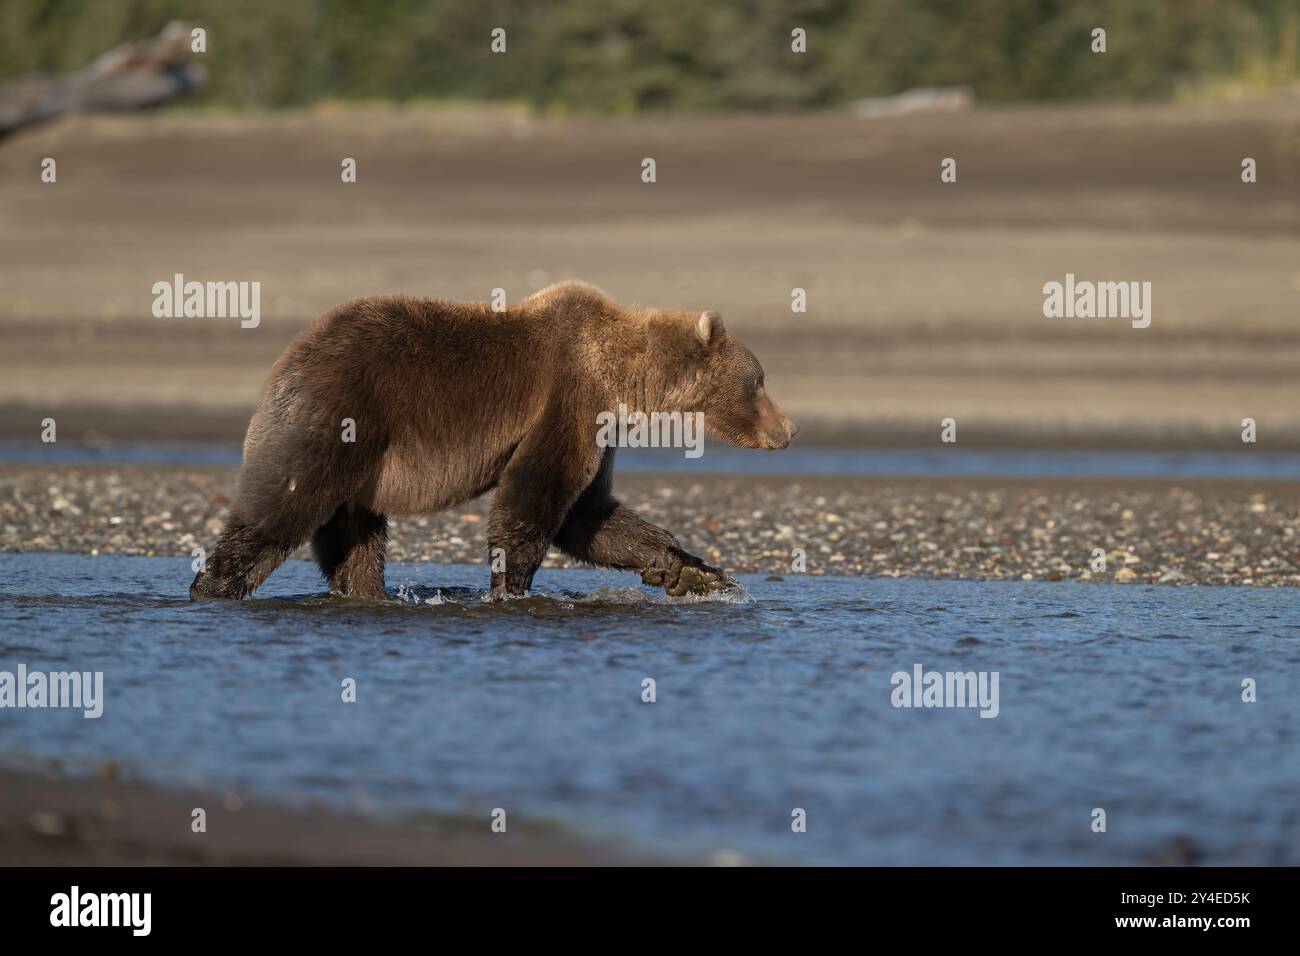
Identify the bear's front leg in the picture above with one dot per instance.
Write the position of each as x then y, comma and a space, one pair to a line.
545, 476
518, 538
612, 536
601, 531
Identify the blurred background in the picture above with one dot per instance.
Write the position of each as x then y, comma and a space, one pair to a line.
776, 170
628, 56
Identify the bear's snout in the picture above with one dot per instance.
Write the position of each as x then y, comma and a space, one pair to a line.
772, 429
776, 435
776, 440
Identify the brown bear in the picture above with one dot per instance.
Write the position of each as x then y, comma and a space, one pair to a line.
394, 405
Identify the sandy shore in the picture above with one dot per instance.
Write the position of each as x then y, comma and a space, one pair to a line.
52, 820
1153, 531
924, 299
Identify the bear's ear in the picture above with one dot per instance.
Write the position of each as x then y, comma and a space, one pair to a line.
709, 328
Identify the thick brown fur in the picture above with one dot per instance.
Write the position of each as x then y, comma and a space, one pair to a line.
451, 400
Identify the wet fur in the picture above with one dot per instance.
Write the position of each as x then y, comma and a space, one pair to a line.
451, 400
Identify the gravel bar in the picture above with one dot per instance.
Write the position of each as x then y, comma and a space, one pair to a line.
1152, 531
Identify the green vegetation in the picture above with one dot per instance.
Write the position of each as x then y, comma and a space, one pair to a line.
627, 55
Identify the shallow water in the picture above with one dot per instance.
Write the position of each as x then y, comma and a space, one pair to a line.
947, 461
1124, 698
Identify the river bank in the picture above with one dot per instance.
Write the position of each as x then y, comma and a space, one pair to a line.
1151, 530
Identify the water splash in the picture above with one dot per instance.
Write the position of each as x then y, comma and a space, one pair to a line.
409, 593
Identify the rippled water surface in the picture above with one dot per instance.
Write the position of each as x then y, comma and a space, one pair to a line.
1123, 698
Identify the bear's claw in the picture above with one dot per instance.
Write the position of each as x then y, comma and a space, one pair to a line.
689, 576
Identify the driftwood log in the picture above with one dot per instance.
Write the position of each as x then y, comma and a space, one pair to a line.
132, 76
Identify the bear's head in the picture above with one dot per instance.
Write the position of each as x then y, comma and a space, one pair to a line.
662, 360
726, 384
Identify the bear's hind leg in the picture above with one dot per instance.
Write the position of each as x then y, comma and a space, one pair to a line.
241, 561
296, 474
350, 551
